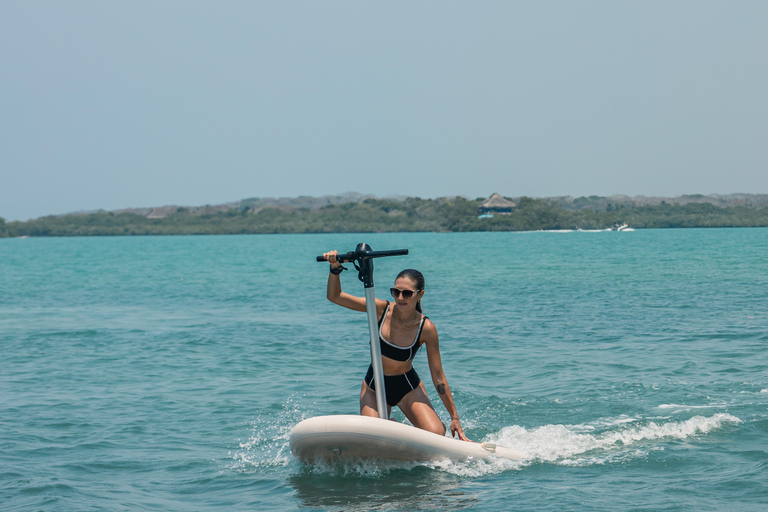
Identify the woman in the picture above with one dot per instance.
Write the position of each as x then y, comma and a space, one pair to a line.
402, 330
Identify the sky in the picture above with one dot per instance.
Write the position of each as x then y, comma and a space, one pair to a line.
110, 105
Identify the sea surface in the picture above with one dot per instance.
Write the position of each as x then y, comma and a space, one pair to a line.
165, 373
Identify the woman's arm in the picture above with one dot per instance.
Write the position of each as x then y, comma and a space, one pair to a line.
429, 335
344, 299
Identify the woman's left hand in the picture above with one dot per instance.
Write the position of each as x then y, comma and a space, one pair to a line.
456, 429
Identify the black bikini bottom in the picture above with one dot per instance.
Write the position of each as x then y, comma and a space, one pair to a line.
395, 386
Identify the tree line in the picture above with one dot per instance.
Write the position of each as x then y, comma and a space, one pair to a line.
391, 215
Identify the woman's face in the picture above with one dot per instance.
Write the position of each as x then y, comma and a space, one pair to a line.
407, 284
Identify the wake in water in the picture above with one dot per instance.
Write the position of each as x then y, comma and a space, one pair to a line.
564, 445
625, 439
622, 439
607, 230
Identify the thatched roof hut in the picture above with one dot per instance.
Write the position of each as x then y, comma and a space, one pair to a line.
496, 204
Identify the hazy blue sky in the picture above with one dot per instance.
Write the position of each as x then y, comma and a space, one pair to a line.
148, 103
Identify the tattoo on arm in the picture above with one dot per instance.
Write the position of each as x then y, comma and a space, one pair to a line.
441, 389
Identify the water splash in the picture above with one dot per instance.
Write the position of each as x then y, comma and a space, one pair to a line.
268, 444
601, 442
567, 445
626, 438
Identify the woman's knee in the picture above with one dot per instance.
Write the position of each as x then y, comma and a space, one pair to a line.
425, 418
435, 426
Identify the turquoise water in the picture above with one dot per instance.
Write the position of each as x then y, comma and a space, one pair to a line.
165, 373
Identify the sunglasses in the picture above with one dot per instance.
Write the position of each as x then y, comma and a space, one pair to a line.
407, 294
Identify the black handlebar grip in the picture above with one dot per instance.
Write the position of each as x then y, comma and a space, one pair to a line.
351, 256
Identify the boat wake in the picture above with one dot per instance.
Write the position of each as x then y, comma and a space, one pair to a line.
605, 441
580, 445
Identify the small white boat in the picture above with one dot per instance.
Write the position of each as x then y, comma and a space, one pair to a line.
621, 226
348, 437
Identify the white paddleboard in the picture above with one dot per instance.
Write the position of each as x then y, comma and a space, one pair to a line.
363, 437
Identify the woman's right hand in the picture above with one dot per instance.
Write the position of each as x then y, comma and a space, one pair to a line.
331, 258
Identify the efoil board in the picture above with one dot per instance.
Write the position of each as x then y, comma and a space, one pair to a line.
361, 437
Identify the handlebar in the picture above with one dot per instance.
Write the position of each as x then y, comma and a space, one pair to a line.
364, 252
362, 258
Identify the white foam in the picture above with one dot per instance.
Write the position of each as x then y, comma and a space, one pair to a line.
268, 444
562, 444
602, 442
364, 468
476, 468
683, 407
570, 446
261, 450
606, 423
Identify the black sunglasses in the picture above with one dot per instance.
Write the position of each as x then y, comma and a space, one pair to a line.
407, 294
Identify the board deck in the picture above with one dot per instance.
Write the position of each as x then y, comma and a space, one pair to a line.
362, 437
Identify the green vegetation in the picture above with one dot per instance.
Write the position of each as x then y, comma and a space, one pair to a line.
397, 215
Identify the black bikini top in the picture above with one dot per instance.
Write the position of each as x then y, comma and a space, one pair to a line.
397, 352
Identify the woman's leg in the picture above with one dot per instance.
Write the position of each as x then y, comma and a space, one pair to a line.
368, 402
419, 411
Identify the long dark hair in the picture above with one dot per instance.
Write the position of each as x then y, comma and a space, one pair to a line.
418, 278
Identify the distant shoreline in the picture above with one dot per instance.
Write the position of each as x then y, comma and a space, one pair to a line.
352, 213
